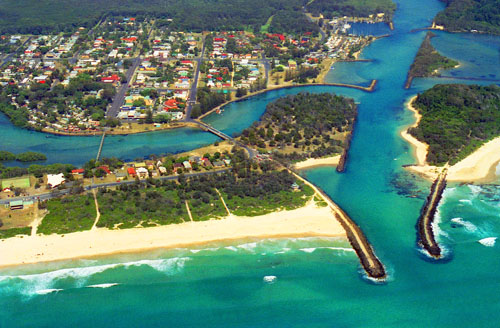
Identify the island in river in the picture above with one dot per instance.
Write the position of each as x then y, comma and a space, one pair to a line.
457, 125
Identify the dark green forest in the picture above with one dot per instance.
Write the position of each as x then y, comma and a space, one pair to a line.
307, 122
456, 120
43, 16
466, 15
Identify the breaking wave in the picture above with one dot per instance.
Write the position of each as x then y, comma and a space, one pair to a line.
34, 284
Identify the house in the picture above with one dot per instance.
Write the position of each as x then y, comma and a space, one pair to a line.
162, 169
120, 176
110, 79
218, 164
292, 64
187, 165
16, 205
142, 172
131, 172
77, 172
178, 166
206, 162
105, 168
295, 186
55, 180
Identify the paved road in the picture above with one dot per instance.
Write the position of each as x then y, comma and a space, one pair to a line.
58, 193
119, 98
194, 87
9, 56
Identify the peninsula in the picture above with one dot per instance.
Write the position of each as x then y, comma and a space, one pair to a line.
428, 62
456, 124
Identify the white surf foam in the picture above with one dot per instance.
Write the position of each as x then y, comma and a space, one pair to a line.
103, 285
47, 291
312, 249
34, 283
469, 226
270, 279
488, 242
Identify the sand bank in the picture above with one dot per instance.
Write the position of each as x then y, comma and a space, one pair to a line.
479, 166
313, 162
308, 221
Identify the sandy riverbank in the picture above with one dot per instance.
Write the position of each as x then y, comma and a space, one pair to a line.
314, 162
480, 166
308, 221
420, 148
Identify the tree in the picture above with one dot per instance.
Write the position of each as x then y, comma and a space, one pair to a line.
149, 116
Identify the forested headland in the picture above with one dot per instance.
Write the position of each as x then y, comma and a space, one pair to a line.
303, 126
468, 15
456, 120
428, 61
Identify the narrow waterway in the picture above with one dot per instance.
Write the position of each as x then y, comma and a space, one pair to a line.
301, 282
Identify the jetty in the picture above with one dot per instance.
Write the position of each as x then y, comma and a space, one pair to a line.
347, 145
369, 261
100, 146
426, 237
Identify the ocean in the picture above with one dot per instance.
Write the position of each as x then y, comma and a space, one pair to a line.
308, 282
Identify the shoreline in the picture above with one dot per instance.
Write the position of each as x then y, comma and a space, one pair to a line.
370, 88
480, 166
124, 132
317, 162
18, 251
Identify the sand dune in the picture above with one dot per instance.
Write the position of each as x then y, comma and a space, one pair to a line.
306, 221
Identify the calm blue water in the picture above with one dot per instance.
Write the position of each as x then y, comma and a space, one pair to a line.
304, 283
376, 29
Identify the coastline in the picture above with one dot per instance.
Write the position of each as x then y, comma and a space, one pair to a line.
308, 221
316, 162
480, 166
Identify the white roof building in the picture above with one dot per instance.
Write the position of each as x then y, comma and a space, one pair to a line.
55, 180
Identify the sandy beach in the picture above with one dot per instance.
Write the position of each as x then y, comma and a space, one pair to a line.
308, 221
314, 162
479, 166
420, 148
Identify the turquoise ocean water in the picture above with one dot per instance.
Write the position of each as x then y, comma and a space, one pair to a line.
311, 282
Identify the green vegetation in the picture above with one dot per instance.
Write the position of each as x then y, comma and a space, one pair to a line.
12, 232
467, 15
160, 203
39, 17
351, 8
265, 28
428, 61
141, 204
35, 169
208, 100
28, 156
304, 125
319, 202
68, 214
6, 156
456, 120
292, 22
